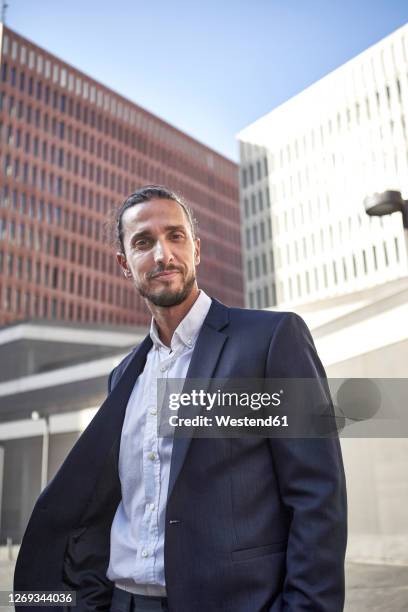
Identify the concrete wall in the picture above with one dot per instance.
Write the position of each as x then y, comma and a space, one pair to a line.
22, 478
376, 469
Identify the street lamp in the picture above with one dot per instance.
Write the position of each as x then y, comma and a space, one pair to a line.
45, 446
386, 203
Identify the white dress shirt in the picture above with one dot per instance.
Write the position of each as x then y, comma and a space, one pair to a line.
137, 533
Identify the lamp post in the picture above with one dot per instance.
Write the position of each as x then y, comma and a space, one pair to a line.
387, 203
45, 446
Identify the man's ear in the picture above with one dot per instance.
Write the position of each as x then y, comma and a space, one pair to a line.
197, 247
121, 259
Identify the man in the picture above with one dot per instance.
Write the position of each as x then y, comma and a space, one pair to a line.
137, 522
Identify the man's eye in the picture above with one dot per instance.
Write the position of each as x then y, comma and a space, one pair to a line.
178, 235
141, 243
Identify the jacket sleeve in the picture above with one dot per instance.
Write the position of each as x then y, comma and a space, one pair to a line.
312, 484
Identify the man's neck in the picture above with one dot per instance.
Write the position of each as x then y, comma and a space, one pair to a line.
168, 318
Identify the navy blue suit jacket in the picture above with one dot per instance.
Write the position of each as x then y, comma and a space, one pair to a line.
252, 524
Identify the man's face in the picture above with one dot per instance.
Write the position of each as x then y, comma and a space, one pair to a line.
160, 252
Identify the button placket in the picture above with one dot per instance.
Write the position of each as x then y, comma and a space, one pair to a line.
154, 469
147, 551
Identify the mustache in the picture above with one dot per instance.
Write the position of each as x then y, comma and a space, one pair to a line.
161, 269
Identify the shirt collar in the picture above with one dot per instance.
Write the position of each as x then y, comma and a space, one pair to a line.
188, 329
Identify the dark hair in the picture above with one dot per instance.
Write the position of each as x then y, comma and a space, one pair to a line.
145, 194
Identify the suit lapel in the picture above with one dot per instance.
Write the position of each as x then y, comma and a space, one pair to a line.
121, 392
206, 354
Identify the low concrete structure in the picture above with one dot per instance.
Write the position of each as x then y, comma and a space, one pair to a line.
53, 380
365, 335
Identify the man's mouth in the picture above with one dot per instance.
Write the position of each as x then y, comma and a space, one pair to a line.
165, 274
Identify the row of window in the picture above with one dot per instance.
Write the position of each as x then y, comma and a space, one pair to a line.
130, 163
257, 202
344, 228
38, 240
89, 143
37, 208
340, 272
390, 159
29, 206
23, 234
37, 177
254, 172
27, 305
53, 154
50, 213
69, 106
53, 277
258, 266
296, 250
258, 233
63, 78
95, 146
317, 138
263, 298
40, 178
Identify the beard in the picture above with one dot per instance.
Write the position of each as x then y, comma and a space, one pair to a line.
169, 297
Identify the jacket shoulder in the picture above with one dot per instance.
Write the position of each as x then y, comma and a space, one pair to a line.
270, 318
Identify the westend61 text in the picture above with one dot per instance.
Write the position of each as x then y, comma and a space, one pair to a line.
227, 421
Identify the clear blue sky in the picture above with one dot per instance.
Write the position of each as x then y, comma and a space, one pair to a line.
209, 67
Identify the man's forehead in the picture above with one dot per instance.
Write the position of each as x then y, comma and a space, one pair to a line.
160, 211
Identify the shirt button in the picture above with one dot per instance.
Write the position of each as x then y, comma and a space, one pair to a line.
145, 553
189, 342
153, 411
152, 506
163, 368
152, 456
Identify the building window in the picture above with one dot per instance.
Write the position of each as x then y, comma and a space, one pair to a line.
271, 260
27, 306
4, 72
262, 231
255, 234
364, 261
335, 272
264, 264
249, 268
256, 266
266, 297
396, 249
266, 164
248, 238
385, 254
253, 204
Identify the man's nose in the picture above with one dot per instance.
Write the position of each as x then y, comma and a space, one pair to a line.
162, 253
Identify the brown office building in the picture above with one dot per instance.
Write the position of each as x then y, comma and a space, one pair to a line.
70, 150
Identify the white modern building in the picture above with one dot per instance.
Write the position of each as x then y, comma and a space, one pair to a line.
306, 168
